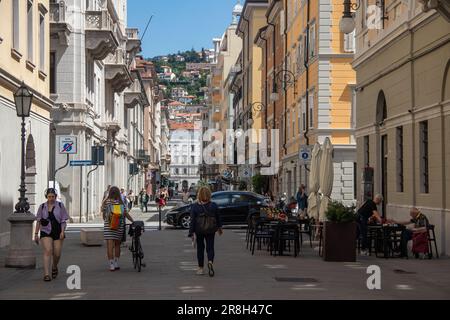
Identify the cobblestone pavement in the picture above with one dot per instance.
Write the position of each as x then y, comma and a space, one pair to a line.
171, 265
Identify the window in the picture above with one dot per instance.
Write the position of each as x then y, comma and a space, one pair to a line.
221, 200
304, 114
52, 72
177, 159
185, 160
300, 55
193, 148
353, 106
300, 116
311, 110
293, 122
15, 25
400, 186
177, 171
312, 40
185, 172
282, 23
366, 151
42, 41
349, 42
288, 120
30, 29
192, 160
424, 174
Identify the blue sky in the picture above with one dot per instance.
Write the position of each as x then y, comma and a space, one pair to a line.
179, 24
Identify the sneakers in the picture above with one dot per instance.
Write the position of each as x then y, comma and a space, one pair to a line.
112, 267
116, 264
200, 272
365, 253
210, 269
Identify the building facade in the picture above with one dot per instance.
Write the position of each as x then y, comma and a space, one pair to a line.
24, 57
403, 111
92, 57
186, 149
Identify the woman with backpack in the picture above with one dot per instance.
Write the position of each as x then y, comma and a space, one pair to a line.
205, 222
51, 223
114, 213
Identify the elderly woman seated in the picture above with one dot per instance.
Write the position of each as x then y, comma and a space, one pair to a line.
419, 223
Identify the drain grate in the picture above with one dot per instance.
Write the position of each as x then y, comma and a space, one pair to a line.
303, 280
400, 271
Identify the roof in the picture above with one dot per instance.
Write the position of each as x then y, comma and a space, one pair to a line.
181, 125
175, 104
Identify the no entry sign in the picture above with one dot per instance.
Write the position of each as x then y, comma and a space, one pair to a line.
67, 145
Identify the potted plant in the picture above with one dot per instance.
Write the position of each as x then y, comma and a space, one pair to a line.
340, 233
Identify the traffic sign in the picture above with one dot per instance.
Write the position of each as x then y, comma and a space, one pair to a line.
67, 145
305, 155
80, 163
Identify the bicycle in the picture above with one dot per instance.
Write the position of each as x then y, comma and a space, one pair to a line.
136, 230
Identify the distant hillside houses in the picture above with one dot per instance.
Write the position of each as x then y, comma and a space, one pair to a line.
167, 74
198, 66
178, 92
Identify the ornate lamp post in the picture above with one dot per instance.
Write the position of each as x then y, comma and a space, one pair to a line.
20, 251
347, 24
286, 78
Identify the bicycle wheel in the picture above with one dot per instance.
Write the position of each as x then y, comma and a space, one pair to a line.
136, 255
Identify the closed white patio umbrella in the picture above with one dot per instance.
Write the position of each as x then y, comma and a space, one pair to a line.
313, 201
326, 177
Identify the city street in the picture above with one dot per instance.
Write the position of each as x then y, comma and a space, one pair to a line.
171, 265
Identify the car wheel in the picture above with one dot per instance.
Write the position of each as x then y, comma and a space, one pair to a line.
185, 221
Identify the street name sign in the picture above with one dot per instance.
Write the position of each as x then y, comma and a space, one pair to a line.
67, 145
80, 163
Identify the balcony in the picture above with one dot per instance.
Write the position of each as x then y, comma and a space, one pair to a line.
132, 96
100, 34
133, 42
116, 71
59, 28
113, 126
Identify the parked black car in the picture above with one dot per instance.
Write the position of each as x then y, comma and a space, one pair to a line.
234, 206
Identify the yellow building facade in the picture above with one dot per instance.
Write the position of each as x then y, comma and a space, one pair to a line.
24, 57
319, 93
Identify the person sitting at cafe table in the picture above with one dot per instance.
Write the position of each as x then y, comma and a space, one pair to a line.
368, 212
420, 222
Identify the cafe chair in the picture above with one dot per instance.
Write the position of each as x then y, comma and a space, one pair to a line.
431, 240
262, 232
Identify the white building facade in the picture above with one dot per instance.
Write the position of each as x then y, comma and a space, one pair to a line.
92, 54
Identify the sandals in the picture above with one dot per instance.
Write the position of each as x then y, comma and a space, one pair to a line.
47, 279
54, 273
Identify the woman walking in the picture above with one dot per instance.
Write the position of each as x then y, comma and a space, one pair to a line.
205, 222
114, 213
51, 222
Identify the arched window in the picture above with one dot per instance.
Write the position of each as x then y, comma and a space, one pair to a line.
381, 109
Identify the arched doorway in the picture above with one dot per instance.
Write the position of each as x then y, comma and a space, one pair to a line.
381, 115
30, 173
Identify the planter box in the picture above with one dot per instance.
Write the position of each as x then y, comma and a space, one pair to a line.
339, 242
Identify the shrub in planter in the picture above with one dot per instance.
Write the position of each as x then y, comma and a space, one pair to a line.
340, 233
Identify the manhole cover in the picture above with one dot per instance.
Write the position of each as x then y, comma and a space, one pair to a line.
305, 280
403, 271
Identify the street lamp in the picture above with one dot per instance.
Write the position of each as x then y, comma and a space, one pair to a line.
20, 253
286, 78
347, 23
255, 107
